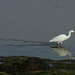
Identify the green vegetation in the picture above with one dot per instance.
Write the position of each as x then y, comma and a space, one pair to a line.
21, 65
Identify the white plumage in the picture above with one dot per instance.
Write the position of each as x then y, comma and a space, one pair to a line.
62, 37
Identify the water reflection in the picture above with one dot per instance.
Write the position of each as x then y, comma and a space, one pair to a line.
63, 52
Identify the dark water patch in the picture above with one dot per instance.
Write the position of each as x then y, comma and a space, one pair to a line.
26, 45
20, 42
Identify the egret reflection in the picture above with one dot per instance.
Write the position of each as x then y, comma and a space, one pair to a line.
62, 52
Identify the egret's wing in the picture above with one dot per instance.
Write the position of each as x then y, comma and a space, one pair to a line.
58, 38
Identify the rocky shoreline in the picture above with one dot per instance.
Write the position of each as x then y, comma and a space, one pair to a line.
22, 65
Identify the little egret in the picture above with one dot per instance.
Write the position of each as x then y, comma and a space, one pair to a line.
62, 37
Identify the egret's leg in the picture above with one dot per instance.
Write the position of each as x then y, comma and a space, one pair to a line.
58, 44
61, 44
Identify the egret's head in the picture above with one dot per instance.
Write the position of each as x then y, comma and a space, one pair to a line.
72, 31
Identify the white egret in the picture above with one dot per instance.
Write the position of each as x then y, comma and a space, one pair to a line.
62, 37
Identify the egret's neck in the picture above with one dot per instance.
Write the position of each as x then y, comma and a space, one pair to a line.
69, 35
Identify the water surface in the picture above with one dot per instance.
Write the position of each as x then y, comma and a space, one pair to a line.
18, 47
32, 21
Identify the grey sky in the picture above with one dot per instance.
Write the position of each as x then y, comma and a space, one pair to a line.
36, 19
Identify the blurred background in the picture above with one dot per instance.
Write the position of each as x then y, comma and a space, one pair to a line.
38, 20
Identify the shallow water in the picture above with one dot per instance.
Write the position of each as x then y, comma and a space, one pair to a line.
19, 47
38, 20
